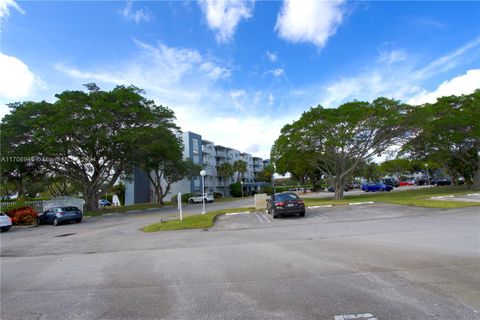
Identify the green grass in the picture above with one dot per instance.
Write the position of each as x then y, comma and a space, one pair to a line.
418, 197
191, 222
139, 206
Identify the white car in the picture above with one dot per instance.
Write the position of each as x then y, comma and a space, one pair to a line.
199, 198
5, 222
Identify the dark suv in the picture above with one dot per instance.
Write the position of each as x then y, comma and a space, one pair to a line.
58, 215
390, 182
285, 203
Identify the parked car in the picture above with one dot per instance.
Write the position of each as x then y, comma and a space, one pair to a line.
58, 215
376, 186
285, 203
391, 182
104, 203
5, 222
346, 188
199, 198
406, 183
443, 182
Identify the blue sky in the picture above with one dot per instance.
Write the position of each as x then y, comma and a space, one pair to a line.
236, 72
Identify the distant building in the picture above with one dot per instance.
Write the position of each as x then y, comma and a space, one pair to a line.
209, 156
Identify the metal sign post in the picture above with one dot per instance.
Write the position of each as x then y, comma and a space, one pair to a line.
179, 199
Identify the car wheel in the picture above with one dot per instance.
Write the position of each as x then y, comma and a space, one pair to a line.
191, 201
274, 214
302, 214
55, 222
78, 220
5, 229
38, 221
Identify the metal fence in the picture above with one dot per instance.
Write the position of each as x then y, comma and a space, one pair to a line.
43, 205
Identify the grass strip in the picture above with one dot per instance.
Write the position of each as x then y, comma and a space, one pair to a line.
418, 197
192, 222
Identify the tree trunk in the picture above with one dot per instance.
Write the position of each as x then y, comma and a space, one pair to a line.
91, 200
338, 188
476, 177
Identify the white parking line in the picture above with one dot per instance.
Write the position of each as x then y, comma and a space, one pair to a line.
360, 203
473, 194
132, 211
442, 197
364, 316
266, 218
325, 206
258, 217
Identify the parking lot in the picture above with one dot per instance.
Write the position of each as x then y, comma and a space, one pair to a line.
376, 261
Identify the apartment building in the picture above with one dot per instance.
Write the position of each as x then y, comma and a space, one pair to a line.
209, 156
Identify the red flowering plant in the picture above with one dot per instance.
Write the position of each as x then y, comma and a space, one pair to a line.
21, 215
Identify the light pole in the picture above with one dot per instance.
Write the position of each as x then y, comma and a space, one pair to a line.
203, 173
428, 175
241, 182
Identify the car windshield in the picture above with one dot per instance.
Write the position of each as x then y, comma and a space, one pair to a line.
286, 197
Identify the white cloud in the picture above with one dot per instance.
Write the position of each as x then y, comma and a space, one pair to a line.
271, 99
309, 21
215, 72
278, 72
5, 8
135, 15
223, 16
463, 84
447, 62
392, 56
17, 81
400, 81
272, 56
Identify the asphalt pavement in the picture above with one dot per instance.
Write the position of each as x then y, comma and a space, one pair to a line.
351, 262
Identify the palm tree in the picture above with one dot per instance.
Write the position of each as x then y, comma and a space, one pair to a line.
225, 170
240, 167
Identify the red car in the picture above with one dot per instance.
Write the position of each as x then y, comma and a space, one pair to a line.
406, 183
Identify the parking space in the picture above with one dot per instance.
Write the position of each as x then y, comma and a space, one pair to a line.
367, 211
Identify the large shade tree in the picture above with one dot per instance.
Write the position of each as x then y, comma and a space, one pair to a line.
87, 137
340, 139
448, 132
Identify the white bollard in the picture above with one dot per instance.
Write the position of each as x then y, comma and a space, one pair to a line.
179, 200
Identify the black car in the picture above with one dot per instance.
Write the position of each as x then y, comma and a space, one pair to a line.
443, 182
285, 203
390, 182
58, 215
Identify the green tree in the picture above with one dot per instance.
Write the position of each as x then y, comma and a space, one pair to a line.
240, 167
160, 154
266, 174
89, 137
448, 132
395, 167
225, 170
339, 139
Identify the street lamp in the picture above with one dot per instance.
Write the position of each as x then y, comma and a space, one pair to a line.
203, 173
241, 182
428, 175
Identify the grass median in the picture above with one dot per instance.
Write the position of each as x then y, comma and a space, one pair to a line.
417, 197
192, 222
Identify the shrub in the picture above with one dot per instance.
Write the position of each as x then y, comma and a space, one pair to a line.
266, 189
21, 214
236, 189
217, 195
185, 197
